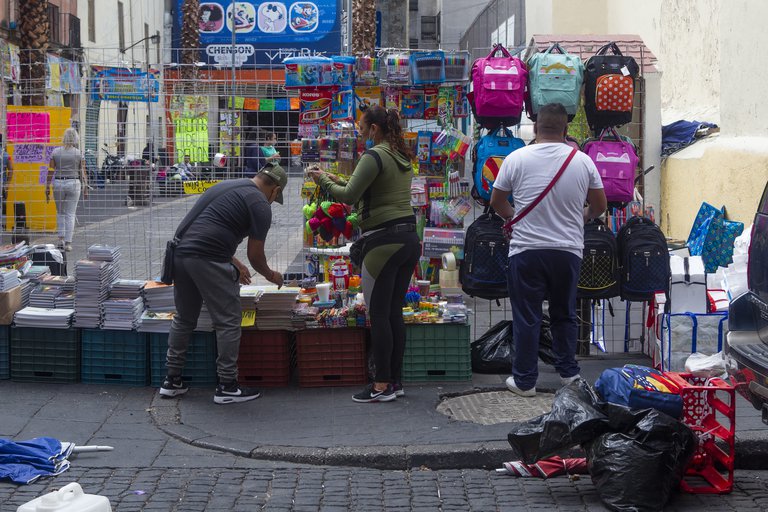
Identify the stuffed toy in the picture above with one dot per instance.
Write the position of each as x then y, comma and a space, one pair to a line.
330, 220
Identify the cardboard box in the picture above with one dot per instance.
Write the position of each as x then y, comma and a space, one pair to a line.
10, 303
688, 293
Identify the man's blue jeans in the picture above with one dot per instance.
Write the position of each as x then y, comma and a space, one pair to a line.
535, 276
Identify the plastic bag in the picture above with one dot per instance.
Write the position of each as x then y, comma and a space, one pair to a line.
493, 352
637, 470
702, 365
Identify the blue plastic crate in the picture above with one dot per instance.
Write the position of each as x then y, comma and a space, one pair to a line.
5, 352
200, 368
114, 357
45, 355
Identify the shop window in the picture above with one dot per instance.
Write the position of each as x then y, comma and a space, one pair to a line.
54, 23
429, 28
413, 5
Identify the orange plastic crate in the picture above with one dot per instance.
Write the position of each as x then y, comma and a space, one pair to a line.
331, 357
709, 409
265, 358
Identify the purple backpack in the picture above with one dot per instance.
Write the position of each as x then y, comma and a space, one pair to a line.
616, 160
498, 88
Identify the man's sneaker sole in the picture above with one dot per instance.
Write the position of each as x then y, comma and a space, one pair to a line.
226, 399
170, 393
400, 393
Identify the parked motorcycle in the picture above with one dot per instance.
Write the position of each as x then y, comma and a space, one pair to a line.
113, 166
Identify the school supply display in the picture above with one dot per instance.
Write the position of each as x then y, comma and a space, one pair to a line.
427, 67
609, 88
554, 78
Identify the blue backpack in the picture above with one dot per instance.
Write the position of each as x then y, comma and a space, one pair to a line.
639, 387
488, 155
554, 78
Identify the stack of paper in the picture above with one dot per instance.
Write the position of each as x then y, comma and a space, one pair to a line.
104, 253
126, 289
65, 300
37, 272
44, 294
42, 317
92, 288
249, 294
158, 297
274, 308
9, 278
122, 314
26, 290
156, 322
12, 253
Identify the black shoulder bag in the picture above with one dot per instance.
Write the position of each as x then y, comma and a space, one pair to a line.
166, 275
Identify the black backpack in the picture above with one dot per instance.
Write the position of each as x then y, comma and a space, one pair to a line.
599, 274
644, 260
483, 271
609, 81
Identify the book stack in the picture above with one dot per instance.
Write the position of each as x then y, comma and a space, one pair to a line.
274, 308
106, 253
14, 254
44, 294
43, 317
158, 297
249, 295
65, 300
9, 278
156, 321
122, 314
126, 289
92, 288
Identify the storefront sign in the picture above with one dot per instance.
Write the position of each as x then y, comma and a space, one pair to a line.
28, 127
266, 32
29, 153
124, 84
191, 139
198, 187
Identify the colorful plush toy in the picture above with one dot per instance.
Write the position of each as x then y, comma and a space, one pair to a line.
329, 220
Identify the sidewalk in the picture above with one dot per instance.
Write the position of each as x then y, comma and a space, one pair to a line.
309, 425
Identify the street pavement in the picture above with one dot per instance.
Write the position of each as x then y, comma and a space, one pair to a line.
314, 449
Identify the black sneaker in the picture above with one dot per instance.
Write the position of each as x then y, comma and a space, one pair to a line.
173, 386
232, 392
369, 395
398, 388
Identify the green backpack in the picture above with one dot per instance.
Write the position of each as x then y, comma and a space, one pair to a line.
554, 78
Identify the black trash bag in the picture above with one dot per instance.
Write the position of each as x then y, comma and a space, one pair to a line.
494, 351
577, 416
546, 353
637, 470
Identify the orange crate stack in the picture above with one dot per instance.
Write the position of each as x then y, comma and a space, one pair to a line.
331, 357
709, 409
265, 358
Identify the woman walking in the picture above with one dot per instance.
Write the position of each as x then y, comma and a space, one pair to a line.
381, 187
67, 175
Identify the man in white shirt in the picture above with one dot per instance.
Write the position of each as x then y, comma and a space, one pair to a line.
546, 246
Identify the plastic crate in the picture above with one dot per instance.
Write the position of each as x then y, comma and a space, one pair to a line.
5, 352
200, 368
331, 357
437, 352
709, 409
265, 358
45, 355
114, 357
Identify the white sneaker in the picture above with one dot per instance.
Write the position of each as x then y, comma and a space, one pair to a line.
564, 381
516, 390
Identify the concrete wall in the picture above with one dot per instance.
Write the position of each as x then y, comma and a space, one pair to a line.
582, 17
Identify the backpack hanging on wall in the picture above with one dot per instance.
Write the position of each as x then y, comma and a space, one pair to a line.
644, 260
498, 85
488, 155
598, 278
483, 271
554, 78
609, 88
616, 160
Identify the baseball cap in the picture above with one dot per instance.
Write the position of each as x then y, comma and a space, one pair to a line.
278, 175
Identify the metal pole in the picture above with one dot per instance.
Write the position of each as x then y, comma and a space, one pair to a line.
231, 118
152, 144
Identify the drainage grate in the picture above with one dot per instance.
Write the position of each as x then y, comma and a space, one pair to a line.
492, 407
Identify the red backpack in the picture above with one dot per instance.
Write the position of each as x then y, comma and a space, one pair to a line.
499, 85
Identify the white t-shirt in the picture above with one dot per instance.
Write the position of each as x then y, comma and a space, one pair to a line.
557, 222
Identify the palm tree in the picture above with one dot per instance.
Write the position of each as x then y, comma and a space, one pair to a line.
363, 26
35, 34
190, 38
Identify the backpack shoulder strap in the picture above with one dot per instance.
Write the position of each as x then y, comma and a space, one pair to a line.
376, 156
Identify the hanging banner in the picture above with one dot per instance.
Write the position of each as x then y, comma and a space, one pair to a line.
11, 65
124, 84
315, 106
191, 139
266, 32
229, 133
28, 127
53, 79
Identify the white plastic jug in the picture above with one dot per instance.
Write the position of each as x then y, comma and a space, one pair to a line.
69, 498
